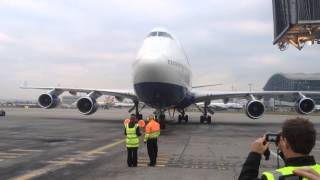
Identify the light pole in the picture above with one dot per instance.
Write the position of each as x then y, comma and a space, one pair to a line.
250, 86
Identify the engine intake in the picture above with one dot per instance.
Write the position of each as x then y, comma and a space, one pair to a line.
87, 105
48, 101
254, 109
305, 105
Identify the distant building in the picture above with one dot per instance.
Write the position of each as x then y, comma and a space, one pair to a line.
69, 100
294, 82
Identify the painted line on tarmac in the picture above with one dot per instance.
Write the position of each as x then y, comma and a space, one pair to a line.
12, 154
56, 166
26, 150
65, 162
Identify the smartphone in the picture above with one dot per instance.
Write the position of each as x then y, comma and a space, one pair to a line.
273, 137
290, 177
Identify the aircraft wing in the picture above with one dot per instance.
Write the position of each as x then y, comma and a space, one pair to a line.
202, 96
129, 94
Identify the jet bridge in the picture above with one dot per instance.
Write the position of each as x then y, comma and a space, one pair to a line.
296, 22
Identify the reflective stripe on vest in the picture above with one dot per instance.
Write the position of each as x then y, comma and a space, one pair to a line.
274, 175
132, 139
152, 130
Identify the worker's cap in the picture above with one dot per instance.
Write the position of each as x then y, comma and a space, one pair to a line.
132, 118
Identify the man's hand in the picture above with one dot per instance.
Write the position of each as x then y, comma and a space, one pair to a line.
259, 145
308, 173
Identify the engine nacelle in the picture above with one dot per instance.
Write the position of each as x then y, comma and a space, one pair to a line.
87, 105
254, 109
305, 105
48, 101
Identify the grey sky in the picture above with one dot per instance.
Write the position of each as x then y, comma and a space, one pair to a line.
93, 43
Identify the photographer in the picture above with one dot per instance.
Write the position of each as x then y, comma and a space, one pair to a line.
296, 140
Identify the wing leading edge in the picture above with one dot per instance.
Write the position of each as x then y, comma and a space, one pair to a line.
129, 94
201, 96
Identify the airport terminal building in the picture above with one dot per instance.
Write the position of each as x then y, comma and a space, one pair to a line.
294, 82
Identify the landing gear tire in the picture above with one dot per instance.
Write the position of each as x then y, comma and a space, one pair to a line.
201, 119
209, 119
179, 119
162, 119
205, 119
184, 118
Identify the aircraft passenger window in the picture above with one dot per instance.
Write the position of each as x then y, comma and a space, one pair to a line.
164, 34
152, 34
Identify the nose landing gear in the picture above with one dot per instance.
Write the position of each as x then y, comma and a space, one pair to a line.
137, 110
161, 118
183, 117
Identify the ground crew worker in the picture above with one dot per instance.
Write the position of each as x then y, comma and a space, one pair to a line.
152, 132
297, 138
132, 133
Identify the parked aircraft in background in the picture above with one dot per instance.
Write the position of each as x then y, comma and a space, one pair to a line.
162, 80
219, 106
112, 102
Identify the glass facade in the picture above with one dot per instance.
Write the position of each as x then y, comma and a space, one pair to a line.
294, 82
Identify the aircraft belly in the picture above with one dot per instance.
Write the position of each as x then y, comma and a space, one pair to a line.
160, 95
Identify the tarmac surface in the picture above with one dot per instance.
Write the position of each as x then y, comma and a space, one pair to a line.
63, 144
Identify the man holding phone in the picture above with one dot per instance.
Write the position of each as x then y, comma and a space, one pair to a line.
295, 141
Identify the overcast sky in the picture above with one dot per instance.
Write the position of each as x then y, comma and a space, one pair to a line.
93, 43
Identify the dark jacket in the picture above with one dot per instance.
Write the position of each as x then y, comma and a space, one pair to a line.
131, 125
250, 168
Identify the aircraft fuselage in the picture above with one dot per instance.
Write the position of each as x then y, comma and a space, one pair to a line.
162, 75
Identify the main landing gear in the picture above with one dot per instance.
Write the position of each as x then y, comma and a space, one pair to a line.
137, 110
183, 117
205, 117
162, 120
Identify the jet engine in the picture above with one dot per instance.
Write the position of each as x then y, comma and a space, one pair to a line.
48, 100
87, 105
305, 105
254, 109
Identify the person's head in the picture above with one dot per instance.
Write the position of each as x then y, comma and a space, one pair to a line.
132, 118
298, 137
151, 117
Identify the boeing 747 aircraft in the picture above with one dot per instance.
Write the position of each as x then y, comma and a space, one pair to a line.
162, 80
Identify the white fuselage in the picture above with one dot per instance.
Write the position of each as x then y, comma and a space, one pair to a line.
162, 75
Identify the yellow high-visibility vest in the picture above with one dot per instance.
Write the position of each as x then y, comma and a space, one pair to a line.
132, 139
274, 175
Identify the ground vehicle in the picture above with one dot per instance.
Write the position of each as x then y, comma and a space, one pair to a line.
2, 113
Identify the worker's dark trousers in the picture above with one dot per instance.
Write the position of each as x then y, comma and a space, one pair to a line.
152, 145
132, 159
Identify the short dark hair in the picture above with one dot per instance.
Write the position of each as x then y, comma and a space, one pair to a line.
300, 134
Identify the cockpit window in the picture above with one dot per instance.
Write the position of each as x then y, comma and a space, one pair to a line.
152, 34
164, 34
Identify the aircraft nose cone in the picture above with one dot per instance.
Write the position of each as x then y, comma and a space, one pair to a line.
150, 68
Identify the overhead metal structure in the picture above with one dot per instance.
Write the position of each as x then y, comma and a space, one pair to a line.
296, 22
